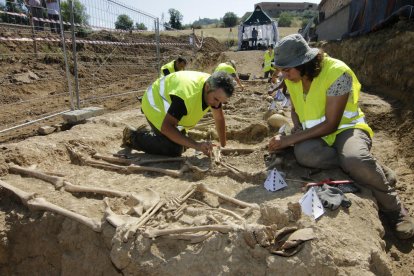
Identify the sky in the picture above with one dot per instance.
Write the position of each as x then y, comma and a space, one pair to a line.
193, 10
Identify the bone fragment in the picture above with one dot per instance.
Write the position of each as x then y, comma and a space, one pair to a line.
59, 182
69, 187
193, 238
214, 219
153, 233
239, 151
24, 196
124, 161
217, 155
42, 204
190, 190
55, 180
203, 188
115, 219
230, 213
143, 219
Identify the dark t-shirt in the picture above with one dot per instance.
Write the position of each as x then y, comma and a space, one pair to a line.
254, 34
166, 72
178, 109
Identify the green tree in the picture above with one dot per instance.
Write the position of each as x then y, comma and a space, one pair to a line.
80, 15
230, 19
13, 6
124, 22
175, 19
141, 26
285, 20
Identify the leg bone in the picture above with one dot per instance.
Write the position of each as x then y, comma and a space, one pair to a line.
203, 188
153, 233
43, 205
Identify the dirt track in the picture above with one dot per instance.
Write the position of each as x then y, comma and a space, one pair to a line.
348, 242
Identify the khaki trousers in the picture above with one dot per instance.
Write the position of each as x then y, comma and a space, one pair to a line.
351, 152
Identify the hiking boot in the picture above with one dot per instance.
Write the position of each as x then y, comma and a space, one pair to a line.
127, 136
403, 224
404, 229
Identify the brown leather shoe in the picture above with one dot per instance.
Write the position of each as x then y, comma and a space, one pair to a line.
404, 229
402, 223
126, 136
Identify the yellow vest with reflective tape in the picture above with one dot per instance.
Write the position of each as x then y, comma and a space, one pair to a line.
312, 111
188, 85
268, 60
169, 66
224, 67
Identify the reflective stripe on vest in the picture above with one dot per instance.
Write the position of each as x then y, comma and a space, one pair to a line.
187, 85
311, 111
150, 96
312, 123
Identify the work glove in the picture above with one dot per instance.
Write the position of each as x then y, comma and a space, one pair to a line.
332, 197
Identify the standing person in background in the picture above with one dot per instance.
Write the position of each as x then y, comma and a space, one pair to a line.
329, 127
176, 65
230, 68
53, 14
36, 10
254, 38
268, 57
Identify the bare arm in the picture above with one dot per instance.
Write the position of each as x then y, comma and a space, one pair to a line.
220, 122
297, 126
334, 109
236, 77
169, 129
239, 83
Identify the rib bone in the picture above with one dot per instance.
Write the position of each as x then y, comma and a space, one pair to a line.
143, 219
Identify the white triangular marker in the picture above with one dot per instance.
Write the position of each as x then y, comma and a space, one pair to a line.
274, 181
286, 102
280, 97
272, 106
311, 204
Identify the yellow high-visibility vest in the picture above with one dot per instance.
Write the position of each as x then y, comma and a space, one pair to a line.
225, 68
311, 111
268, 60
188, 85
169, 66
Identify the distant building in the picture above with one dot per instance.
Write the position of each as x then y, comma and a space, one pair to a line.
340, 19
273, 9
333, 19
329, 7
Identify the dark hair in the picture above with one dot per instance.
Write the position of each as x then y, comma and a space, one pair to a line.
181, 59
221, 80
313, 67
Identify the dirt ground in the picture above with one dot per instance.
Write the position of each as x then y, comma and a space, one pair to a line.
352, 241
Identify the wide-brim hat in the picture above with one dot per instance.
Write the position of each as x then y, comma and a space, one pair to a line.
292, 51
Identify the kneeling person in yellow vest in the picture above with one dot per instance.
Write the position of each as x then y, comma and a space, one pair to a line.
176, 65
329, 127
230, 68
174, 104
